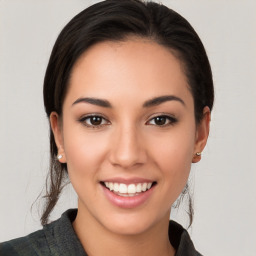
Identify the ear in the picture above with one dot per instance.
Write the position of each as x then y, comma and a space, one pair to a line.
56, 127
202, 133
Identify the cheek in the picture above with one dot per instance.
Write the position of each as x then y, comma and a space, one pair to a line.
175, 163
174, 148
173, 156
84, 151
84, 154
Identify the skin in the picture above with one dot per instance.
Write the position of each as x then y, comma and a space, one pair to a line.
129, 143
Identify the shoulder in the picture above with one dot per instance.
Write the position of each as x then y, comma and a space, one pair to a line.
27, 245
181, 240
56, 238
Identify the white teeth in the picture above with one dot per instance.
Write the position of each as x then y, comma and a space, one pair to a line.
138, 188
131, 189
128, 190
116, 187
110, 186
122, 188
144, 187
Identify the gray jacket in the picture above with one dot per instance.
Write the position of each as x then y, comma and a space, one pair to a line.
59, 239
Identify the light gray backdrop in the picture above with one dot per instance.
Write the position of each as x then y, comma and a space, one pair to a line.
225, 179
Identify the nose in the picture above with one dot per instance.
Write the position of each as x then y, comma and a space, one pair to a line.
127, 148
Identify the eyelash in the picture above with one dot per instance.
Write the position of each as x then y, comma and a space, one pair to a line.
169, 119
90, 117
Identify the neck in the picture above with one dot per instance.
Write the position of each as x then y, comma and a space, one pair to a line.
97, 240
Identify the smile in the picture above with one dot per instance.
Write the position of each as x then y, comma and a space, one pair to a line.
128, 193
128, 189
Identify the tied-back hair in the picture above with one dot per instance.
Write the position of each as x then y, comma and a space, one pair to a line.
115, 20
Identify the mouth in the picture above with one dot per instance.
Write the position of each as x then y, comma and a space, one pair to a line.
128, 190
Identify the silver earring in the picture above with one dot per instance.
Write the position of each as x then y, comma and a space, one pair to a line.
59, 157
198, 153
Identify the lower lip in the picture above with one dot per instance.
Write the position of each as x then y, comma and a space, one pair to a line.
128, 202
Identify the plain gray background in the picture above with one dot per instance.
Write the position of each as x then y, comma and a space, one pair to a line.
225, 179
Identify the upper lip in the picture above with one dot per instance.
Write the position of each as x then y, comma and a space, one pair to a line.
134, 180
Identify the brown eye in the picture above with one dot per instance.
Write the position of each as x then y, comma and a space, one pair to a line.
94, 121
162, 120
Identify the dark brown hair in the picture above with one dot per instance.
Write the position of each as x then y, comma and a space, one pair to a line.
115, 20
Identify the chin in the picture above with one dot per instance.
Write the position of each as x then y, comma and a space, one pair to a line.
131, 224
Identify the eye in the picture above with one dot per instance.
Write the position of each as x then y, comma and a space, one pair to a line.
162, 120
94, 121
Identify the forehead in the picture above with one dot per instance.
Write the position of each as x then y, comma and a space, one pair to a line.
133, 68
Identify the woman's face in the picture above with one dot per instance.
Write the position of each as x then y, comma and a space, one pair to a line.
128, 126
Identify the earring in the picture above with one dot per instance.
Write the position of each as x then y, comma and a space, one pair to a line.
198, 153
59, 157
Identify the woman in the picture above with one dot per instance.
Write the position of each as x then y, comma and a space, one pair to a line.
128, 91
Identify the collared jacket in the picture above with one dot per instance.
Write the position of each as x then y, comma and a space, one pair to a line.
59, 239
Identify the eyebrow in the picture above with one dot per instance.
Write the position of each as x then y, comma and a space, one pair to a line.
159, 100
149, 103
94, 101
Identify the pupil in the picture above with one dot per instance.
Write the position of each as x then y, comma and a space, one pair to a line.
96, 120
160, 120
